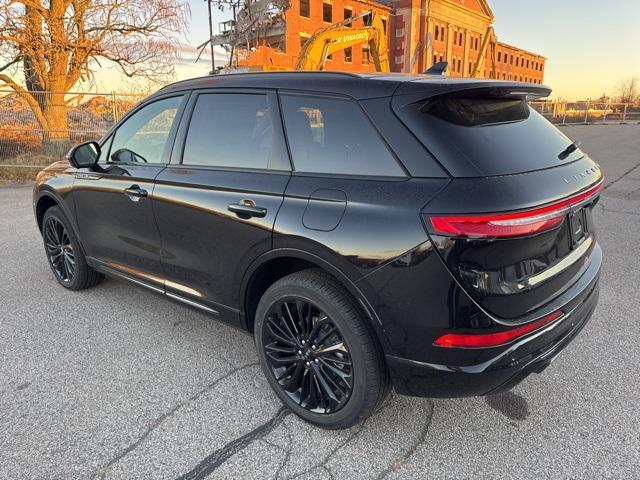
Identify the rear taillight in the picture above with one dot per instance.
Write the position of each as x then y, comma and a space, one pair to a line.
512, 224
484, 340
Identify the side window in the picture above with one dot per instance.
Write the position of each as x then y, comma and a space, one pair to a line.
240, 130
142, 138
328, 135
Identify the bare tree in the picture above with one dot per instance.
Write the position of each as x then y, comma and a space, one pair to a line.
628, 90
59, 42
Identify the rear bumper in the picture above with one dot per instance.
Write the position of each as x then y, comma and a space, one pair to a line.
505, 368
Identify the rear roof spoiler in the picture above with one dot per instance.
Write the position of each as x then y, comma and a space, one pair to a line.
430, 87
437, 68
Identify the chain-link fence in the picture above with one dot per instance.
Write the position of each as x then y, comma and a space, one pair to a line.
37, 128
587, 113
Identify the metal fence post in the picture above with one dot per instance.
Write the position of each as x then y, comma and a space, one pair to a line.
624, 114
586, 114
114, 107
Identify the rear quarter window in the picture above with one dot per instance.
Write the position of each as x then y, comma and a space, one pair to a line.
333, 136
475, 136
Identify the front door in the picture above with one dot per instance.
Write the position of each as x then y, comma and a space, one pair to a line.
114, 201
216, 206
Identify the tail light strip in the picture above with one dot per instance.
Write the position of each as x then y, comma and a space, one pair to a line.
512, 224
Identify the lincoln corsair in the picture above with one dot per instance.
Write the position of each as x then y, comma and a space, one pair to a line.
422, 233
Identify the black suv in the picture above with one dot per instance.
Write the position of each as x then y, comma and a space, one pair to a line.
421, 232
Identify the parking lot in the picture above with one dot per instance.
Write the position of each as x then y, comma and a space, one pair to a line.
117, 382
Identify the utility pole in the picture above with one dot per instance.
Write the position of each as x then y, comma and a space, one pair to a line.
213, 60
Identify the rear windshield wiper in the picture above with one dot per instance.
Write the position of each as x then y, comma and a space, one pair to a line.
569, 150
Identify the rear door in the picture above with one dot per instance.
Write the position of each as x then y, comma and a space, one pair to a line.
114, 202
216, 204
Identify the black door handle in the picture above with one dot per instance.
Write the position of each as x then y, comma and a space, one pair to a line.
135, 193
246, 209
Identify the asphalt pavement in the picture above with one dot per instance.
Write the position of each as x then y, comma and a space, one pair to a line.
118, 383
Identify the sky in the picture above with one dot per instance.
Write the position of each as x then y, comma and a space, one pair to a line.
590, 44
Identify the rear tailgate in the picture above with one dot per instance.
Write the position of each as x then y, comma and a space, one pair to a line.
514, 225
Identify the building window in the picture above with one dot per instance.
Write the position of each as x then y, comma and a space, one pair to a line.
399, 59
517, 61
461, 39
499, 56
527, 63
367, 20
477, 41
348, 55
303, 41
305, 8
470, 68
435, 58
437, 32
348, 13
441, 58
384, 24
511, 59
399, 32
327, 12
366, 56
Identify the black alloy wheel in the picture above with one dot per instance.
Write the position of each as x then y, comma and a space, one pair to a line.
59, 249
65, 253
318, 352
308, 355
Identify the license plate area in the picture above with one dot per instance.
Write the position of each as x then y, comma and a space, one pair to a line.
577, 227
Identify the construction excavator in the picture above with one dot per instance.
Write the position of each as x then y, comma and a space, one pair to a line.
337, 37
487, 52
340, 36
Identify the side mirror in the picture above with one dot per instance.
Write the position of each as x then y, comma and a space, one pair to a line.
84, 155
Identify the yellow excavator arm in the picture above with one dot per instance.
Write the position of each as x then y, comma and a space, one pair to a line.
487, 49
339, 36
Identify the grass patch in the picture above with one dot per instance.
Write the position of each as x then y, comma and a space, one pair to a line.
26, 166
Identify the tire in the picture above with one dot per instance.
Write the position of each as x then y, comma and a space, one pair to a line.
73, 272
365, 380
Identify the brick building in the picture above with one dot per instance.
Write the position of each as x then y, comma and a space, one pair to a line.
420, 33
424, 32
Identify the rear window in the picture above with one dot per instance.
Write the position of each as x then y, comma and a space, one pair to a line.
475, 112
484, 136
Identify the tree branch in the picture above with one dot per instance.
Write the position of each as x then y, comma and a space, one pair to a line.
28, 97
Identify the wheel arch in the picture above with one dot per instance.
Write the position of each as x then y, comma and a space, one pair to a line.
48, 199
44, 203
278, 263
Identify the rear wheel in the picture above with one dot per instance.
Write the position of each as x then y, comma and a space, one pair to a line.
64, 253
316, 351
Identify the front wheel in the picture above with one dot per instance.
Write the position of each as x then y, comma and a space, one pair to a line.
64, 253
319, 356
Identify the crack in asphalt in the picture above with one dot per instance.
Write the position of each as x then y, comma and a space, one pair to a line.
396, 465
287, 451
323, 463
208, 465
604, 209
103, 471
620, 177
